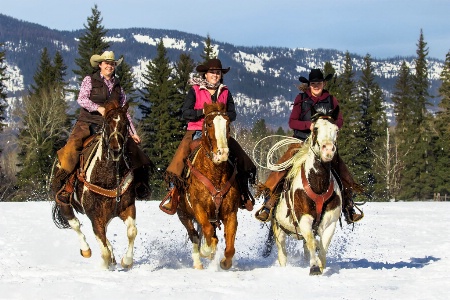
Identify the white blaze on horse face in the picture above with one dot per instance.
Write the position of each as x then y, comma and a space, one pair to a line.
220, 126
326, 138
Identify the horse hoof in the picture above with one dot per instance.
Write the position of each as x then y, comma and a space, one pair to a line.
198, 267
225, 264
315, 270
125, 265
86, 253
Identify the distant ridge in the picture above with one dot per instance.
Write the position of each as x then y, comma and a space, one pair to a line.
262, 79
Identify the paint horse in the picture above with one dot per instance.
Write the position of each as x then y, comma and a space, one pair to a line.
104, 188
310, 204
212, 195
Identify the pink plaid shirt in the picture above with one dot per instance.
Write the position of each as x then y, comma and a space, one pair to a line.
86, 103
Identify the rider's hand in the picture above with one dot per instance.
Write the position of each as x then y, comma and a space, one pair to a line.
136, 138
101, 110
311, 127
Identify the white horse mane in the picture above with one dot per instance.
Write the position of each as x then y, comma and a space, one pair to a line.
299, 158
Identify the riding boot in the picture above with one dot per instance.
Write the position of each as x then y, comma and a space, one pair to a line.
141, 177
172, 198
58, 186
350, 187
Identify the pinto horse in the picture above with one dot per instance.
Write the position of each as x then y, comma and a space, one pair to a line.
211, 195
104, 189
310, 204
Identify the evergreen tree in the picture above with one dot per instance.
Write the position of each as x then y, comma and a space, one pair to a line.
419, 161
91, 42
331, 84
442, 175
405, 132
127, 82
208, 50
45, 125
350, 143
160, 128
44, 75
183, 69
373, 127
3, 94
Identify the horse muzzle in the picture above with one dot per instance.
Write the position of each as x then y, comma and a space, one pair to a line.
220, 155
327, 151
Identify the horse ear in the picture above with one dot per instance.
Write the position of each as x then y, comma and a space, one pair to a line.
314, 114
335, 113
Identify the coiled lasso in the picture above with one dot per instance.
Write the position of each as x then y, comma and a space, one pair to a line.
270, 164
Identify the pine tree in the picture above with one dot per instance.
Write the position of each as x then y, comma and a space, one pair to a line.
373, 126
44, 75
91, 42
331, 84
405, 131
419, 161
208, 50
442, 175
183, 69
127, 82
160, 129
45, 124
350, 143
3, 94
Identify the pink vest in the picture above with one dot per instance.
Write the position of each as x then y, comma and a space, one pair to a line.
203, 96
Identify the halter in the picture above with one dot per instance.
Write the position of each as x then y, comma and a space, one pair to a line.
209, 151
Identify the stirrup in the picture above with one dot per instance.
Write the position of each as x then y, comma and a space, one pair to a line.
171, 198
260, 211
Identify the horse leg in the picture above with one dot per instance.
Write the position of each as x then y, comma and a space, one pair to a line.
209, 241
128, 216
67, 212
306, 230
280, 240
193, 237
105, 249
230, 224
325, 239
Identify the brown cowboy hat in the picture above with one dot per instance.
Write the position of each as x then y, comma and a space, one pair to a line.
212, 64
106, 56
315, 76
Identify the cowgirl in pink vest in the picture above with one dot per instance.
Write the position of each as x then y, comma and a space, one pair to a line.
208, 88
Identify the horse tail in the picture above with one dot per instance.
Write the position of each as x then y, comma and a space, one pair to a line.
58, 218
268, 244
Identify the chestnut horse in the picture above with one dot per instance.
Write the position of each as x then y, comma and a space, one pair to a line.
104, 189
310, 204
211, 195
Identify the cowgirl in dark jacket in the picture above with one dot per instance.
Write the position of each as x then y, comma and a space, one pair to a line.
314, 96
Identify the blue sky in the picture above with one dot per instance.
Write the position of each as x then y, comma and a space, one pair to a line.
382, 28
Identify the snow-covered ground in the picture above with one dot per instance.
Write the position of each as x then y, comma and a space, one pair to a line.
399, 250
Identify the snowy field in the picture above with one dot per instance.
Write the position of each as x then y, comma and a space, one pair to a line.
398, 251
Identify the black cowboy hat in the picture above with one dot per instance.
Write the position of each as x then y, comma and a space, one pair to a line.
212, 64
315, 76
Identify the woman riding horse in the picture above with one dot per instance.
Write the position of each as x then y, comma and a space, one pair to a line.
105, 188
310, 203
212, 194
95, 90
208, 88
313, 96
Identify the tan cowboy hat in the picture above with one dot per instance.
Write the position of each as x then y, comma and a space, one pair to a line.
212, 64
106, 56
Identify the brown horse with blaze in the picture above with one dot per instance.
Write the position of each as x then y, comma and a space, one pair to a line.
212, 195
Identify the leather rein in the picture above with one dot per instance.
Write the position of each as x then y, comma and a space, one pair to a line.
122, 185
216, 193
